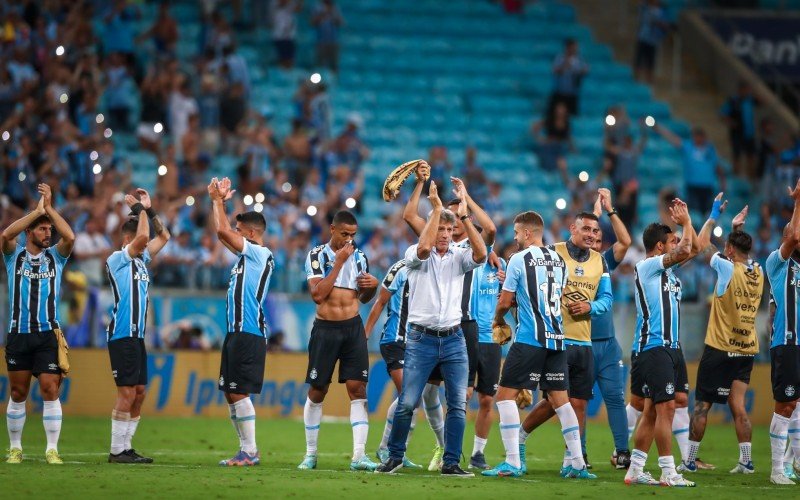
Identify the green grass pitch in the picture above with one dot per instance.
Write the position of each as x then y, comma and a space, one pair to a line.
187, 451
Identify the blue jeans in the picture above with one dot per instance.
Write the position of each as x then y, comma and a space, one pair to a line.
423, 353
609, 374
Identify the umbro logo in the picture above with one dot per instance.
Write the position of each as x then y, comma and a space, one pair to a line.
114, 373
52, 366
402, 361
221, 381
12, 361
233, 385
364, 373
575, 296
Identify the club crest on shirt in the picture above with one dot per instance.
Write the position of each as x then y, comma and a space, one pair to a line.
789, 391
491, 277
670, 388
315, 264
579, 271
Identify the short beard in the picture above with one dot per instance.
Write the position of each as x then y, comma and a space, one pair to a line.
38, 244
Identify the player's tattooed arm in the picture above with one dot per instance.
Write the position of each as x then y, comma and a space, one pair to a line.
683, 250
702, 245
162, 234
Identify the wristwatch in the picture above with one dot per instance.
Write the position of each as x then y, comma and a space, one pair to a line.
464, 217
613, 212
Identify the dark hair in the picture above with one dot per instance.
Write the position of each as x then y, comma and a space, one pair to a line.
344, 217
587, 215
42, 219
453, 202
130, 226
252, 219
654, 234
530, 218
741, 241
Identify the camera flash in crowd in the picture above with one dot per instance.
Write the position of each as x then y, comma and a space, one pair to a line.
583, 176
63, 98
718, 231
189, 201
315, 78
99, 118
650, 121
561, 203
286, 187
158, 127
610, 120
93, 155
258, 207
97, 168
162, 170
259, 198
350, 203
60, 50
22, 176
6, 135
311, 210
248, 200
107, 133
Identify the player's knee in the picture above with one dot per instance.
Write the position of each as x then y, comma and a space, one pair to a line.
785, 409
140, 391
317, 394
485, 402
19, 393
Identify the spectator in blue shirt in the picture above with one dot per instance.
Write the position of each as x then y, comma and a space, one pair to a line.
568, 72
653, 26
702, 173
119, 34
739, 113
327, 20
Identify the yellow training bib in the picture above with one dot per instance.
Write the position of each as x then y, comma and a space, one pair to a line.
582, 284
732, 323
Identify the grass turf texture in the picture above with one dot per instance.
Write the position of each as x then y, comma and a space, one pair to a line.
186, 452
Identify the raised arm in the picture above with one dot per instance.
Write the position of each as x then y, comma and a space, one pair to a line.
703, 244
791, 238
411, 211
683, 250
64, 246
489, 229
621, 233
220, 192
377, 308
427, 239
668, 135
139, 243
162, 234
8, 238
476, 242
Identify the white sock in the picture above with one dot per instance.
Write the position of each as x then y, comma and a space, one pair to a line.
133, 423
680, 429
667, 464
479, 444
246, 420
119, 429
509, 430
413, 425
51, 417
359, 420
15, 421
794, 431
387, 429
638, 459
523, 436
312, 416
694, 447
745, 453
567, 460
572, 434
232, 412
777, 440
633, 417
788, 457
434, 412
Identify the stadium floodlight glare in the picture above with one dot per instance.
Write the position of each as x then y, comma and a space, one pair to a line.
718, 232
60, 50
259, 198
97, 168
350, 203
610, 120
107, 133
93, 155
99, 118
189, 201
311, 210
162, 170
22, 176
248, 200
561, 203
650, 121
158, 128
286, 187
63, 98
6, 135
258, 207
315, 78
583, 176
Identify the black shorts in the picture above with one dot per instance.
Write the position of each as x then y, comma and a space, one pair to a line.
645, 56
470, 329
342, 341
490, 356
785, 361
716, 373
34, 352
682, 381
580, 364
394, 354
528, 366
654, 374
128, 361
241, 369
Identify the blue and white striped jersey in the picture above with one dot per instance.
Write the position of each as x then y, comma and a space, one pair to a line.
130, 282
396, 282
537, 276
485, 291
34, 289
657, 293
319, 264
247, 290
784, 283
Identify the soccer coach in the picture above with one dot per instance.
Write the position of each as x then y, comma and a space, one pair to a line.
436, 270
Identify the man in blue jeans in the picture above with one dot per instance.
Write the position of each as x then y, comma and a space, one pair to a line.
436, 272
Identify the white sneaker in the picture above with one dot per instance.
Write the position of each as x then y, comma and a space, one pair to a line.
677, 481
640, 477
741, 468
780, 479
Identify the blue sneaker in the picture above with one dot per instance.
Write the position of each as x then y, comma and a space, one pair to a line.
687, 467
505, 469
564, 471
242, 459
523, 461
363, 463
788, 471
580, 474
747, 468
406, 462
478, 461
309, 462
382, 454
